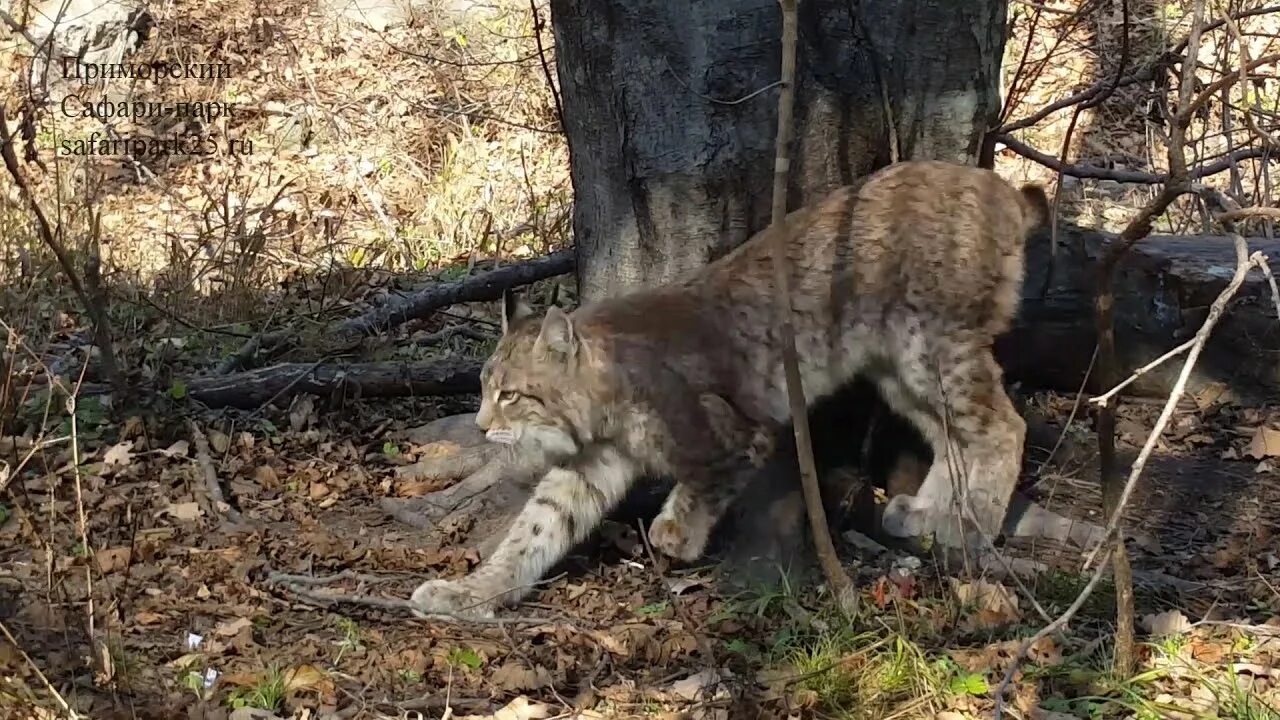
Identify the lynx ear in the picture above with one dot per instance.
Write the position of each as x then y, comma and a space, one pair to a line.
514, 308
557, 333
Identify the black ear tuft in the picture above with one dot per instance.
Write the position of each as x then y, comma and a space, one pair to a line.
514, 309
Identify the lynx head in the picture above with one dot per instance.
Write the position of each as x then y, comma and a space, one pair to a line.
536, 388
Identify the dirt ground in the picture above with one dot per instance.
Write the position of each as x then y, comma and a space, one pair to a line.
114, 631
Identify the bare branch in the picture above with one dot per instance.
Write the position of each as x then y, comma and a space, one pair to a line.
1094, 172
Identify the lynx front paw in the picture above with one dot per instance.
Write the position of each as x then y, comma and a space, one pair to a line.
674, 539
448, 597
908, 516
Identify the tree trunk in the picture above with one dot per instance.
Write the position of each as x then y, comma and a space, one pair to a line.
671, 138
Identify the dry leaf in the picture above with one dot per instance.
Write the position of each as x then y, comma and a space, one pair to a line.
518, 709
231, 627
146, 617
219, 441
995, 604
699, 686
1265, 443
182, 511
178, 449
1209, 652
305, 677
119, 454
1169, 622
112, 559
516, 675
683, 585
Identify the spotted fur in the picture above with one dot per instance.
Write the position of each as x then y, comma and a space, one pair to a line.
905, 278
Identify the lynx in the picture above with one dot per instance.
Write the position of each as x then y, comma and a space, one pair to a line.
905, 278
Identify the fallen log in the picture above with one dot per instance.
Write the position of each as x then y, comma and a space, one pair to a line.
452, 376
1162, 293
480, 288
484, 287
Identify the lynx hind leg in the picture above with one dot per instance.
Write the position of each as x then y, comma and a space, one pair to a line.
683, 528
977, 453
676, 531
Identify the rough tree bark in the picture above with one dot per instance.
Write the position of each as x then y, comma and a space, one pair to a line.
671, 136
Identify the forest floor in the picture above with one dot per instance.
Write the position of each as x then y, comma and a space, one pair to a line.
185, 622
396, 159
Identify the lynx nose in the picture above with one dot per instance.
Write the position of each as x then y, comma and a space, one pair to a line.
484, 417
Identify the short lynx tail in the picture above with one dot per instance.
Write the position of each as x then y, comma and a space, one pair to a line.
1035, 204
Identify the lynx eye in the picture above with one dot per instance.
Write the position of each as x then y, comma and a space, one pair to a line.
506, 397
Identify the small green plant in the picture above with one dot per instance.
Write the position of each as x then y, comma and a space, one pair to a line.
747, 650
193, 680
460, 657
409, 677
390, 449
266, 694
350, 637
652, 609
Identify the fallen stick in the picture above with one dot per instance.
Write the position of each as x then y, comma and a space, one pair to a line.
417, 305
218, 504
451, 376
479, 288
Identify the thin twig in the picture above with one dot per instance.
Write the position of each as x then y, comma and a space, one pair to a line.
542, 58
1137, 177
840, 584
1103, 398
1249, 213
1044, 632
718, 101
325, 598
36, 669
82, 523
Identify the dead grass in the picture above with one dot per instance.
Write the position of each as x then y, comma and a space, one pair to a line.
396, 151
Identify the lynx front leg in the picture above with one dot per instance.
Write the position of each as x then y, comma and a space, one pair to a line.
690, 513
566, 506
706, 487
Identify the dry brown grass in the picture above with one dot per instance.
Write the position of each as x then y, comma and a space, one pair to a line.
400, 150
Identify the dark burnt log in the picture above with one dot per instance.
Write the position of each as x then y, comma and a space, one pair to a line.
452, 376
1162, 293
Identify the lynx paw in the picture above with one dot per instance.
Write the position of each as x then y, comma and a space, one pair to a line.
989, 513
675, 540
908, 516
449, 597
